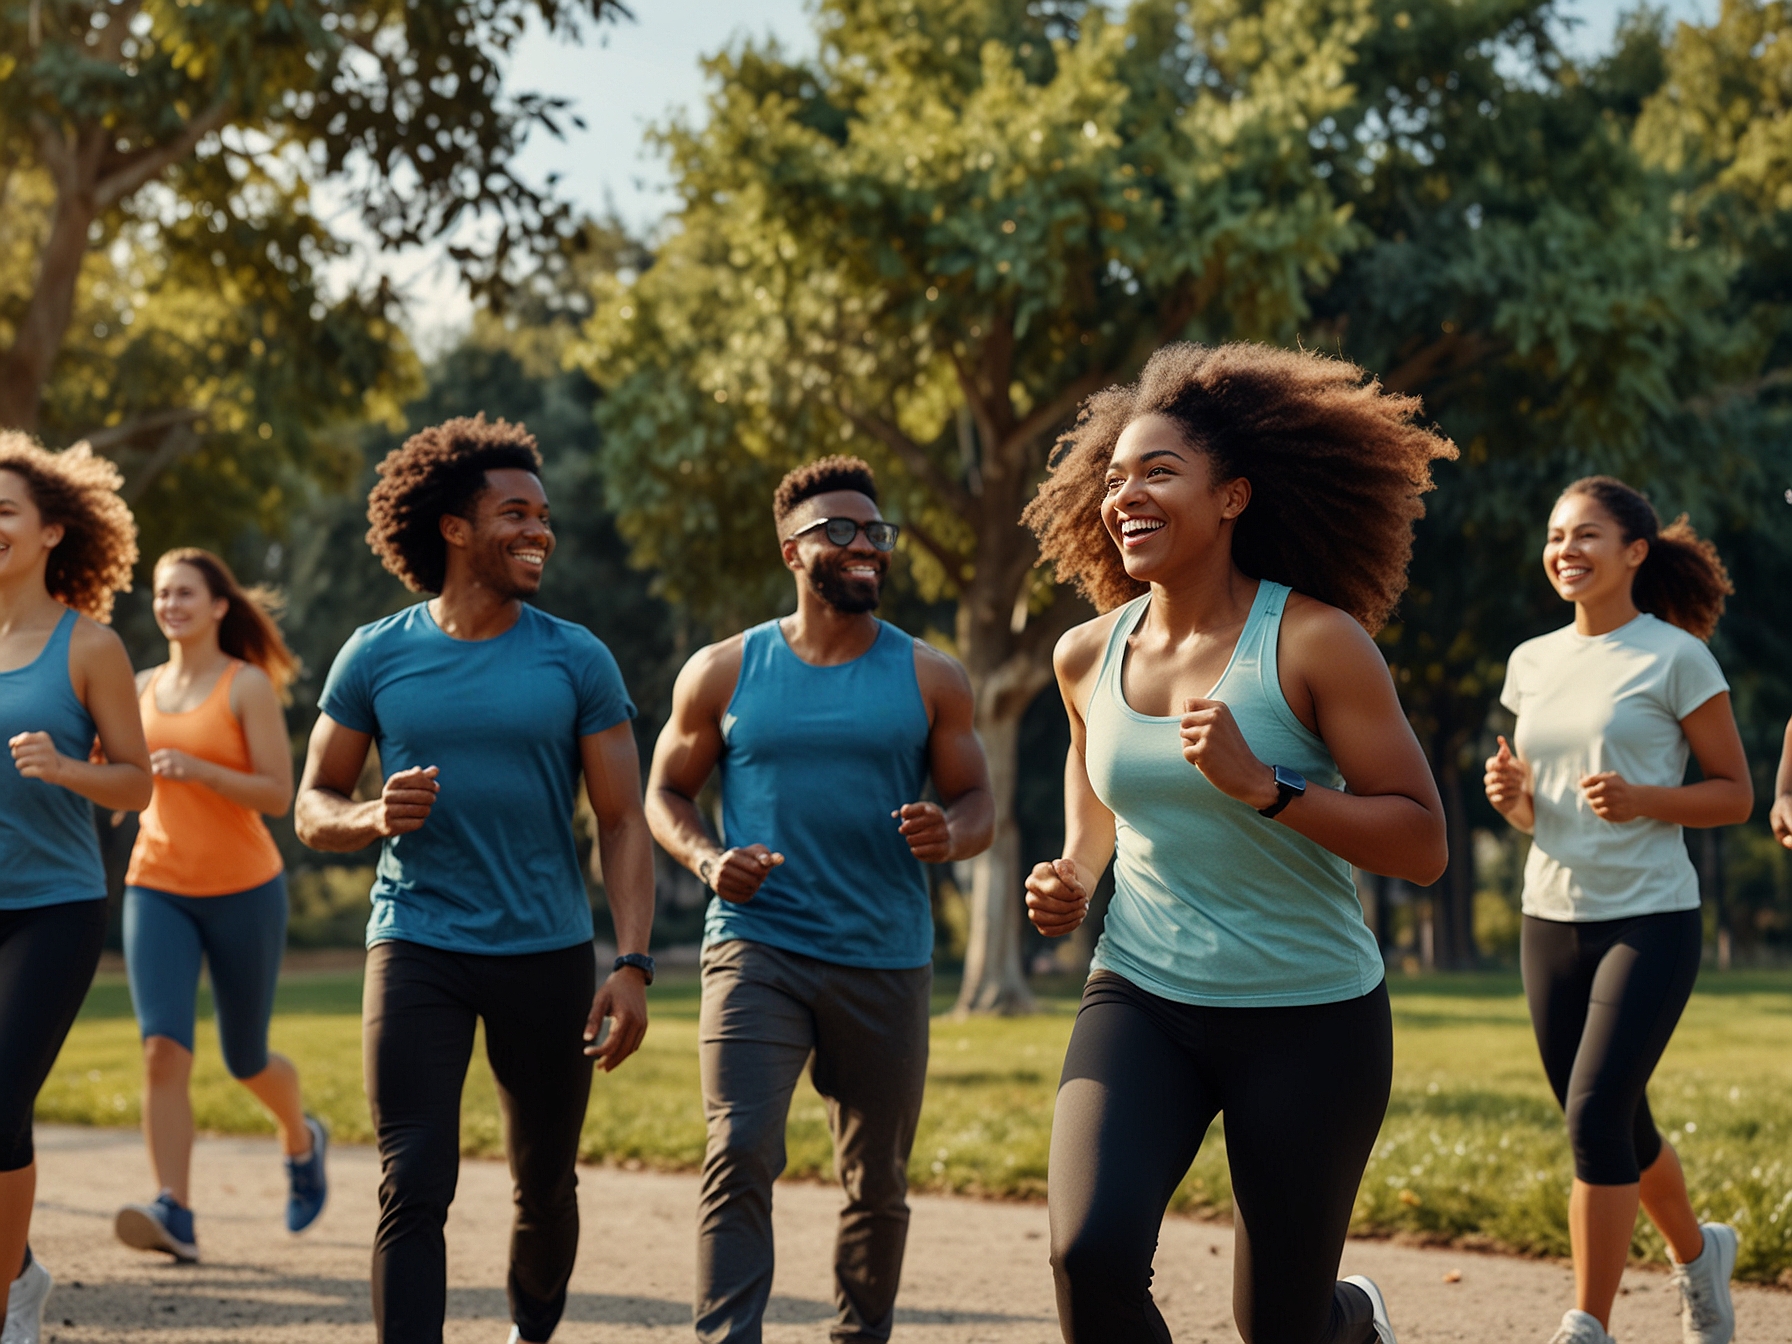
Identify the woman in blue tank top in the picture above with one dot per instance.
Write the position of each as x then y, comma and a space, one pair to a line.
67, 543
1243, 518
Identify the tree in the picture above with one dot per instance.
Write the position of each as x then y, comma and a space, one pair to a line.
156, 163
928, 245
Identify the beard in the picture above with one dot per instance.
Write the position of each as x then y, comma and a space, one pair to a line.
853, 597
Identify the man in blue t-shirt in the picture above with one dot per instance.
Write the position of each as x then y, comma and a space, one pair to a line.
826, 726
485, 713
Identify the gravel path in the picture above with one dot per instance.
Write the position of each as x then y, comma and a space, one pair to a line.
976, 1271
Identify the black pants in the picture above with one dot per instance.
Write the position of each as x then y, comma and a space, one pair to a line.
47, 959
1303, 1091
419, 1009
1605, 998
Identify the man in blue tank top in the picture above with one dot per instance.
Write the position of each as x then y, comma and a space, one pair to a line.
826, 726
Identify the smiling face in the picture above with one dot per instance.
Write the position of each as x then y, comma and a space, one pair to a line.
1585, 554
849, 578
25, 539
1162, 506
184, 606
508, 539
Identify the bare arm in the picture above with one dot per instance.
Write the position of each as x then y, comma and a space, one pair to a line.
613, 783
1391, 821
1725, 797
327, 817
266, 786
1782, 793
966, 822
100, 672
689, 746
1058, 892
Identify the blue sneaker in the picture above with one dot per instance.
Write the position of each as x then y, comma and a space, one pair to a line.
161, 1225
307, 1188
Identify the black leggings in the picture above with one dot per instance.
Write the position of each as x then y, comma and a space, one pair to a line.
1605, 999
47, 959
419, 1009
1303, 1091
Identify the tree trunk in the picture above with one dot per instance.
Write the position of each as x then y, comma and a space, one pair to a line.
994, 980
1453, 898
25, 368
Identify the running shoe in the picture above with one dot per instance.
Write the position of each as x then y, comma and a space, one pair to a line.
1384, 1328
1707, 1316
306, 1186
161, 1225
25, 1303
1580, 1327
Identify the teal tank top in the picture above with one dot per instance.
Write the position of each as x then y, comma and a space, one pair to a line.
49, 850
1214, 904
814, 760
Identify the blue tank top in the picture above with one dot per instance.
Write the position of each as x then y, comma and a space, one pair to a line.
1214, 904
49, 851
814, 760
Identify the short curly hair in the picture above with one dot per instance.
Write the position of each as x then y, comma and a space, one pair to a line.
78, 489
1336, 468
819, 477
436, 472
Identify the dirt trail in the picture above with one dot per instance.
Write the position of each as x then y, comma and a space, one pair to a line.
976, 1271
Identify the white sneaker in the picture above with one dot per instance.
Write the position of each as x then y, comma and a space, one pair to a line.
1707, 1316
1384, 1328
1580, 1327
25, 1305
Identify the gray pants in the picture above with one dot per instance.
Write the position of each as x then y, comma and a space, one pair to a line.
765, 1013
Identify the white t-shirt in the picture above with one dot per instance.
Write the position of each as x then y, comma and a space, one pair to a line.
1590, 703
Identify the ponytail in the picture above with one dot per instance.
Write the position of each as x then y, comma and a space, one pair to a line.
1682, 581
248, 630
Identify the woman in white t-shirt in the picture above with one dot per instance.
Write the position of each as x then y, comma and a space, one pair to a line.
1609, 710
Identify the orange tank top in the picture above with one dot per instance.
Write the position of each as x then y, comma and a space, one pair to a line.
191, 841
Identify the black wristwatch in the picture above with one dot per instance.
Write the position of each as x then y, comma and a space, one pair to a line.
639, 960
1290, 785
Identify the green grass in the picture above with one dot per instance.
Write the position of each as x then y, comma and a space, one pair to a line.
1473, 1148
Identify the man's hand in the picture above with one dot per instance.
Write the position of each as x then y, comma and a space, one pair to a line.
739, 871
36, 757
1213, 744
1507, 780
1057, 897
927, 831
623, 999
406, 800
1781, 819
1612, 797
171, 763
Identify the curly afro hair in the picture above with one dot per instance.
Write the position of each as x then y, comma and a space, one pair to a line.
79, 490
1682, 580
436, 472
1336, 468
819, 477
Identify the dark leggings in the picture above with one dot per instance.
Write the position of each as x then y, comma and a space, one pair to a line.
47, 959
1303, 1091
1605, 998
419, 1009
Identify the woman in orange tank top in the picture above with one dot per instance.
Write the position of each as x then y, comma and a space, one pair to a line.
206, 883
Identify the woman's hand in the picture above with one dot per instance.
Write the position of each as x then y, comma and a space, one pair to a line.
1057, 897
1781, 819
1612, 797
1213, 744
170, 763
36, 757
1507, 780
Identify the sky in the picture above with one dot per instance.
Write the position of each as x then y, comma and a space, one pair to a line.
630, 75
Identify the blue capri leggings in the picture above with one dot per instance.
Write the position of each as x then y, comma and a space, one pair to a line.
241, 937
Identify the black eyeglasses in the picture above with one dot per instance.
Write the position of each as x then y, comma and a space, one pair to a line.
841, 531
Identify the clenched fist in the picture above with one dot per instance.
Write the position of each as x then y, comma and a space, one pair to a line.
1058, 896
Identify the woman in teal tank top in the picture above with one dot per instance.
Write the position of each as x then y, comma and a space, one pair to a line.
1243, 518
67, 544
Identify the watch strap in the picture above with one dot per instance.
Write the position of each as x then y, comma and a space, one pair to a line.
1289, 786
639, 960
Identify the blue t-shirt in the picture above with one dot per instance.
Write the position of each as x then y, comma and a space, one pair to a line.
495, 868
814, 761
